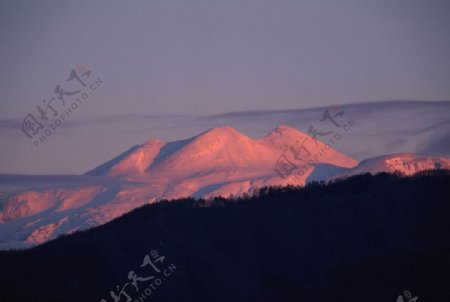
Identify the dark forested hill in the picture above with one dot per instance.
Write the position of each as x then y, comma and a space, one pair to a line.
366, 238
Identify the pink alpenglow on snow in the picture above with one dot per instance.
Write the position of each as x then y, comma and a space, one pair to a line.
218, 162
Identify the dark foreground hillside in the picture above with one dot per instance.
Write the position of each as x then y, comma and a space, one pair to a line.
367, 238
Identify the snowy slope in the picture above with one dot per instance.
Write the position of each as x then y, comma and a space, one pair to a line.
405, 163
220, 161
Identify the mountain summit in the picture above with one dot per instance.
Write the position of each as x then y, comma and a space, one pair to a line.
218, 162
224, 155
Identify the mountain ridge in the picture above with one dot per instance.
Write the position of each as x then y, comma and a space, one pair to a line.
218, 162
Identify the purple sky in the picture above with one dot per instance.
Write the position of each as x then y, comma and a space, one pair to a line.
210, 57
202, 58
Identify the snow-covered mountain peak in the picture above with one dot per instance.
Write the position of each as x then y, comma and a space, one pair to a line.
136, 160
405, 163
221, 131
219, 136
218, 162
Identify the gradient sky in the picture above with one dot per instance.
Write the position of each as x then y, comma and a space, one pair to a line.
209, 57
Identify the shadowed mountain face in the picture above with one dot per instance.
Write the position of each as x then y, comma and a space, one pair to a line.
366, 238
218, 162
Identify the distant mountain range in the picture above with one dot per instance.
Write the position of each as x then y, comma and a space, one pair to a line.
377, 128
218, 162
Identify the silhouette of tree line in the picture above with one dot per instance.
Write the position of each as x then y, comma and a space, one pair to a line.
363, 238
